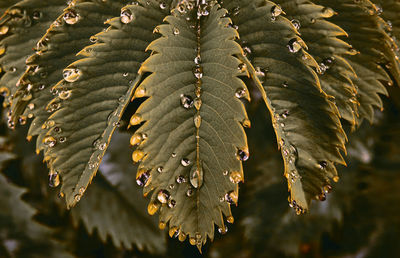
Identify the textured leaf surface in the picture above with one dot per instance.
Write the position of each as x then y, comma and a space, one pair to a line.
115, 207
5, 4
192, 124
321, 36
93, 96
306, 123
22, 26
57, 49
367, 36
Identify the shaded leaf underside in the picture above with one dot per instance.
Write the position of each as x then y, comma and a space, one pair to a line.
195, 147
306, 123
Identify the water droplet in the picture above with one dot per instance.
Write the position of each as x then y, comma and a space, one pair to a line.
197, 120
261, 74
137, 155
57, 129
198, 72
160, 169
240, 93
163, 5
4, 29
54, 179
126, 16
180, 179
71, 74
152, 208
235, 177
135, 120
285, 84
321, 197
296, 24
197, 60
189, 192
223, 230
77, 198
125, 74
171, 203
197, 103
192, 240
163, 196
4, 91
175, 31
242, 154
142, 177
327, 12
276, 11
185, 162
65, 94
136, 139
36, 15
196, 177
230, 219
225, 173
140, 92
246, 123
336, 179
50, 141
71, 17
186, 101
327, 188
242, 67
231, 197
62, 139
323, 164
294, 46
162, 225
173, 155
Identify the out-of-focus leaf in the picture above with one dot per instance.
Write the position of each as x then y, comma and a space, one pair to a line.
21, 27
192, 143
321, 36
94, 94
306, 122
115, 206
373, 46
57, 49
5, 4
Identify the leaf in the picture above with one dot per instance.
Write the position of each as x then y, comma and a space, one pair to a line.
330, 52
5, 4
367, 36
22, 26
57, 49
93, 96
116, 208
306, 122
190, 155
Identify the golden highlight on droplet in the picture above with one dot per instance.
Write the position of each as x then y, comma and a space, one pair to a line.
152, 208
230, 219
234, 197
137, 155
4, 91
136, 139
172, 231
140, 93
162, 225
135, 120
246, 123
336, 179
182, 237
192, 241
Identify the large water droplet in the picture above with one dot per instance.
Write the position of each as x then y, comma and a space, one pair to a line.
71, 17
171, 203
240, 93
196, 177
296, 24
180, 179
137, 155
275, 11
4, 29
223, 230
65, 94
50, 141
163, 5
152, 208
135, 120
71, 74
136, 139
197, 121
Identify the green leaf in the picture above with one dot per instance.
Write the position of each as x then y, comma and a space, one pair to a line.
5, 4
116, 208
369, 39
92, 97
321, 36
57, 49
306, 122
22, 26
194, 143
